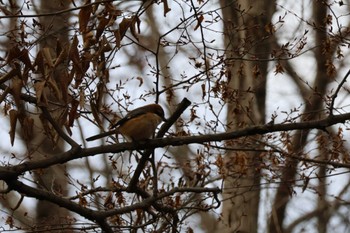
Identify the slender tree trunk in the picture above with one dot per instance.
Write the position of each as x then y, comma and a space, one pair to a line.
311, 112
246, 37
55, 29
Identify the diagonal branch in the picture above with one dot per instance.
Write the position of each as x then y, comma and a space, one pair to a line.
182, 106
58, 129
335, 95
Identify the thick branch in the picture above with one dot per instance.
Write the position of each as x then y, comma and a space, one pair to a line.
77, 153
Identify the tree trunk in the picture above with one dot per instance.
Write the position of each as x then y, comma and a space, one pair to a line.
246, 38
55, 29
312, 111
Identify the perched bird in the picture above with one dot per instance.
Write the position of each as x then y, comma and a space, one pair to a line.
138, 125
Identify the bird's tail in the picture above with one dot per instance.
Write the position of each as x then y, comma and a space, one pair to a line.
101, 135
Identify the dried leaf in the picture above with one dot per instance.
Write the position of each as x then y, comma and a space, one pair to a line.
88, 39
270, 28
109, 203
141, 81
123, 26
166, 7
73, 113
40, 96
62, 57
73, 53
9, 75
81, 101
178, 202
47, 55
27, 128
84, 16
77, 64
132, 23
13, 121
105, 45
241, 161
118, 38
199, 22
4, 94
24, 57
9, 221
95, 113
82, 201
39, 63
13, 54
279, 69
331, 70
17, 85
101, 27
204, 93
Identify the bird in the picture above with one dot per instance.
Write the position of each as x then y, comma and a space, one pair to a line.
138, 125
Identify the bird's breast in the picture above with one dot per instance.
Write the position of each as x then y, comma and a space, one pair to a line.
141, 127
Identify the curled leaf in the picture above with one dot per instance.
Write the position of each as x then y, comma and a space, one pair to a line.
199, 22
13, 121
84, 16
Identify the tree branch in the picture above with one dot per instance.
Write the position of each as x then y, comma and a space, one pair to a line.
77, 153
165, 127
335, 95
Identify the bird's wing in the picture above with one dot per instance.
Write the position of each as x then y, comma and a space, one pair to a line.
132, 114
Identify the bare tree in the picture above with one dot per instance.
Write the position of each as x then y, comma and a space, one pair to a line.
229, 158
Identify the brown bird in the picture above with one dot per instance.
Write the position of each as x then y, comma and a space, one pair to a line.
138, 125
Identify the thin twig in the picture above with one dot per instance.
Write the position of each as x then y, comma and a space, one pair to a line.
335, 95
58, 129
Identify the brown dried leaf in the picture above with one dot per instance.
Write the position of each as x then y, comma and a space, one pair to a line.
27, 128
95, 113
17, 85
4, 94
199, 22
137, 22
241, 161
9, 221
40, 95
13, 121
123, 26
84, 16
47, 55
13, 53
54, 87
166, 7
141, 80
73, 53
9, 75
73, 113
24, 57
132, 23
88, 39
331, 70
82, 201
81, 98
118, 38
204, 93
105, 45
178, 202
109, 203
62, 57
39, 63
270, 28
279, 69
101, 27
